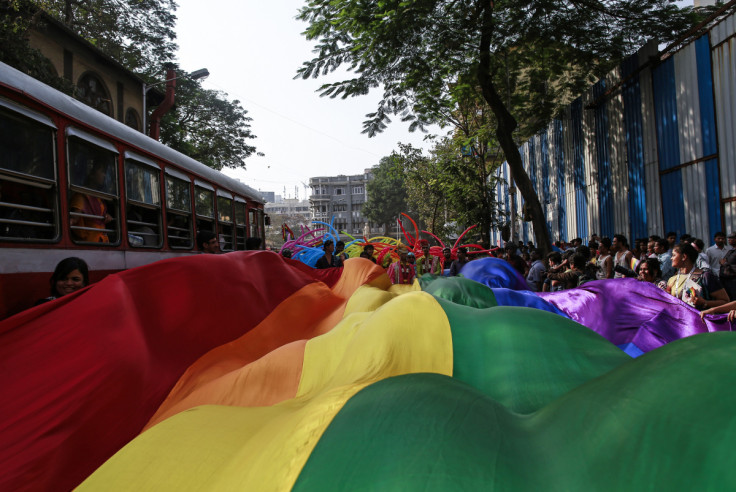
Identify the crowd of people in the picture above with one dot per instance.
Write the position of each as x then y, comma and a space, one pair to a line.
705, 278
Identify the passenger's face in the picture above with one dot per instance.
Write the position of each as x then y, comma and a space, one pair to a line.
615, 245
461, 255
72, 282
659, 249
650, 247
98, 177
425, 251
447, 253
720, 241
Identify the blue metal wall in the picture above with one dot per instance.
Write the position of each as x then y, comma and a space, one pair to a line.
708, 128
649, 157
635, 150
668, 146
605, 183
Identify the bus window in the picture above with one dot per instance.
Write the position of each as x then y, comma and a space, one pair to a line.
94, 203
143, 204
252, 220
204, 207
28, 191
240, 224
179, 212
225, 222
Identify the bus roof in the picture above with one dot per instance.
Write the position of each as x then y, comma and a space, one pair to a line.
77, 110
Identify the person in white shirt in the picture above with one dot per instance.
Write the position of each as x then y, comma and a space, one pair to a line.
716, 252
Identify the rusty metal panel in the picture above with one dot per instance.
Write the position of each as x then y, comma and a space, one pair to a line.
723, 30
571, 230
694, 186
688, 104
617, 153
724, 89
587, 175
655, 224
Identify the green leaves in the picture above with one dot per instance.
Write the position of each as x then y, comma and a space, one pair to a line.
208, 127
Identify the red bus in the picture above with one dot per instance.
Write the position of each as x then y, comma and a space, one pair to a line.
56, 152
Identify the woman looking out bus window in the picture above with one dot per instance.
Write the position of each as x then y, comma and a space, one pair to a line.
70, 275
95, 211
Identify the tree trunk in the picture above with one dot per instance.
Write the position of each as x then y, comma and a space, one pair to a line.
504, 132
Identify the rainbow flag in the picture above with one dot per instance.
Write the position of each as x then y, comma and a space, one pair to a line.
248, 371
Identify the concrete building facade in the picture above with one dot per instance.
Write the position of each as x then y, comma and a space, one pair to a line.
342, 197
102, 82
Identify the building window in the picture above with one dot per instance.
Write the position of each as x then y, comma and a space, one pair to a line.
339, 207
93, 92
132, 119
179, 213
28, 205
93, 206
339, 191
204, 207
143, 208
357, 190
225, 222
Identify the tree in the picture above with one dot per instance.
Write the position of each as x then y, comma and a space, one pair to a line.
206, 126
386, 192
137, 33
15, 20
140, 35
451, 182
527, 56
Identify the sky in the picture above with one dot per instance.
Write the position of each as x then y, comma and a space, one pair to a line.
252, 50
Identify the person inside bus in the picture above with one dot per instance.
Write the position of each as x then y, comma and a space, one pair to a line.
70, 275
207, 242
92, 206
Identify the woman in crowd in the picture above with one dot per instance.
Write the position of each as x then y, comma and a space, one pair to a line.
699, 288
648, 271
70, 275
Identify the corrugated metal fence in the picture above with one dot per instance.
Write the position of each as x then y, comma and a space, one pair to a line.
654, 154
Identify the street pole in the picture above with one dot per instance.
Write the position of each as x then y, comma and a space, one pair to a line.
202, 73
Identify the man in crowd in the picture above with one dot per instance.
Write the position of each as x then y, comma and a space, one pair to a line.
367, 253
671, 241
728, 268
536, 272
446, 257
716, 252
622, 258
665, 258
207, 242
428, 263
462, 260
